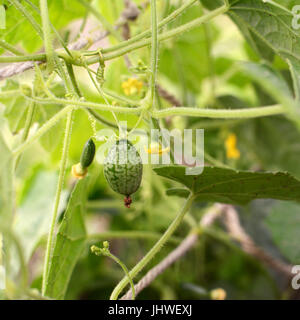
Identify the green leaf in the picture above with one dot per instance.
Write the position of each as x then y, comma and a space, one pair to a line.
6, 180
275, 85
270, 80
235, 187
179, 192
69, 243
34, 215
284, 225
272, 25
20, 31
2, 17
260, 140
211, 5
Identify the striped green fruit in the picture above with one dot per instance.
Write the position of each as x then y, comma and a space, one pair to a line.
123, 169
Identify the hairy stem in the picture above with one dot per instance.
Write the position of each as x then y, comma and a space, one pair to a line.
92, 105
155, 249
28, 122
221, 113
147, 33
43, 129
28, 16
164, 36
128, 48
9, 47
154, 52
62, 170
122, 265
47, 35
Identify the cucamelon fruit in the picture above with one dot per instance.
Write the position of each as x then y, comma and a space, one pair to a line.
123, 169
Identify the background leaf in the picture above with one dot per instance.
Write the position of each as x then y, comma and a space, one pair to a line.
34, 215
69, 244
284, 223
236, 187
6, 180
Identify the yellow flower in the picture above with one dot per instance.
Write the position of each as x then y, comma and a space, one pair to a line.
78, 172
218, 294
132, 86
232, 151
156, 148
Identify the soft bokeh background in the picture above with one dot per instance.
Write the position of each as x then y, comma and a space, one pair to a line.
200, 69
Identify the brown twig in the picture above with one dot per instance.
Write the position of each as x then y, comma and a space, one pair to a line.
232, 223
168, 96
235, 229
16, 68
176, 254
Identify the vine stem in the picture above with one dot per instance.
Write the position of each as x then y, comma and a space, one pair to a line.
183, 111
43, 129
122, 265
221, 113
128, 48
147, 33
155, 249
47, 35
9, 47
62, 170
154, 52
92, 105
165, 35
28, 122
28, 16
9, 93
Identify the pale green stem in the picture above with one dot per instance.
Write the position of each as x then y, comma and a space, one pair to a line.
137, 123
91, 112
28, 16
147, 33
92, 105
155, 249
100, 119
122, 265
73, 79
30, 57
28, 122
9, 93
221, 113
154, 52
98, 88
43, 129
113, 95
136, 45
62, 170
166, 35
9, 47
47, 35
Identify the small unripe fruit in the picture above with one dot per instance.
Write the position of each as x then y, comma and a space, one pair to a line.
123, 169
